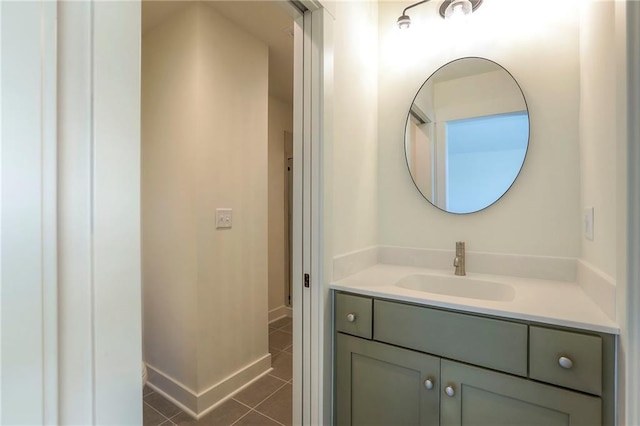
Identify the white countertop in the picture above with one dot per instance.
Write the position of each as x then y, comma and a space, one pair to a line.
551, 302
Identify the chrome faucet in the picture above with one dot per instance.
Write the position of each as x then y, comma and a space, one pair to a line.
458, 261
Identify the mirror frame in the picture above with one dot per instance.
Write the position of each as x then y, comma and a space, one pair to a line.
409, 118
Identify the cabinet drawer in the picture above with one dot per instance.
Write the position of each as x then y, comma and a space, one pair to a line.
353, 315
582, 359
496, 344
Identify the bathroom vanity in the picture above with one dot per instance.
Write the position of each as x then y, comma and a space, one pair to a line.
405, 358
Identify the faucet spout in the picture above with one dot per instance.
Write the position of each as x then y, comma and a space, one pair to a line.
459, 260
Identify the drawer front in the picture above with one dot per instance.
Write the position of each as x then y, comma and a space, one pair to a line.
353, 315
582, 359
496, 344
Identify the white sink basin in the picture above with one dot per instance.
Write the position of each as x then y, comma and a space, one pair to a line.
458, 287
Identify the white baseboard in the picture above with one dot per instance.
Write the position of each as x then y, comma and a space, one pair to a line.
198, 404
280, 312
183, 397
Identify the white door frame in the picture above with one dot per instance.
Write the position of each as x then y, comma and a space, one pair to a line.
312, 96
28, 214
71, 302
632, 356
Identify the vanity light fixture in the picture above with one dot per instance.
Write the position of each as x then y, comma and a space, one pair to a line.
449, 9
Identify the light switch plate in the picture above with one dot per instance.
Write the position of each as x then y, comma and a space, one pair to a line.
224, 218
587, 223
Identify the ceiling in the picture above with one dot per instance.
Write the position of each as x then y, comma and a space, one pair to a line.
268, 21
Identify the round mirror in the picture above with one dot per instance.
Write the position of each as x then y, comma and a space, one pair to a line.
467, 135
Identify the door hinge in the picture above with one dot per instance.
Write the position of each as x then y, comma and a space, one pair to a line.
306, 280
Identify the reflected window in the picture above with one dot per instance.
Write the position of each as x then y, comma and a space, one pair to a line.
483, 158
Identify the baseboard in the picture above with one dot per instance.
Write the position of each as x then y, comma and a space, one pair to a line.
226, 388
280, 312
199, 404
183, 397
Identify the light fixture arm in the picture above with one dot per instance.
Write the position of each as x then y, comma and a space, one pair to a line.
404, 12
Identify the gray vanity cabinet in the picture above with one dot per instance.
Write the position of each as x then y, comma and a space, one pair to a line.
403, 364
477, 396
384, 385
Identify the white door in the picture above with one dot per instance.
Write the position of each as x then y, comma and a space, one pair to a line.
28, 213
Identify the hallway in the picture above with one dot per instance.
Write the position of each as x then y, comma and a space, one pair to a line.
267, 402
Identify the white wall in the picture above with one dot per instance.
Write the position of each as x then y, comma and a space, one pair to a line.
539, 215
355, 156
598, 142
280, 120
204, 147
603, 157
349, 155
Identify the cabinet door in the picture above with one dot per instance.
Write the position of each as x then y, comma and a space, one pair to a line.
379, 384
484, 397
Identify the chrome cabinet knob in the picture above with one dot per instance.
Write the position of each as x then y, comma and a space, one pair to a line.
565, 362
428, 384
449, 390
351, 317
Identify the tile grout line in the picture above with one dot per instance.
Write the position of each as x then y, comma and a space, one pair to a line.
268, 396
176, 415
171, 403
153, 408
256, 411
279, 378
243, 416
274, 420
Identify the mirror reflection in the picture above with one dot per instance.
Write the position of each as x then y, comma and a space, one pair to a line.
467, 135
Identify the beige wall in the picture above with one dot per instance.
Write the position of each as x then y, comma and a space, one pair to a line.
170, 286
280, 120
204, 124
539, 215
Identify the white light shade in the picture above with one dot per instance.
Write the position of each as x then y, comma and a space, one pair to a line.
458, 9
404, 22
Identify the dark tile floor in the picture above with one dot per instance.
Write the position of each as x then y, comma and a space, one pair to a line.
267, 402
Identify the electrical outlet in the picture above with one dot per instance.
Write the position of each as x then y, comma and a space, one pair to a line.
587, 223
223, 218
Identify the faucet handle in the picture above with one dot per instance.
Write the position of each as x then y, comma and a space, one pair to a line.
456, 261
